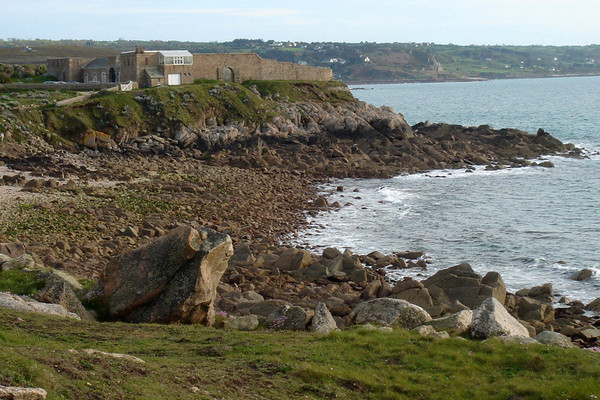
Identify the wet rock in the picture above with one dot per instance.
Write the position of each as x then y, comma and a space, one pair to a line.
331, 253
492, 319
172, 279
583, 275
594, 305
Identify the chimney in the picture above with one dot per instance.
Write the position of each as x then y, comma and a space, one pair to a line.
139, 50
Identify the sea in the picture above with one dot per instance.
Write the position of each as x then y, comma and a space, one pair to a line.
532, 225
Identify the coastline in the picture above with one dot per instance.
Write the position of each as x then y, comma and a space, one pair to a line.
466, 79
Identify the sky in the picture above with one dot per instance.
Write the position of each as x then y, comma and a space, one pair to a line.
511, 22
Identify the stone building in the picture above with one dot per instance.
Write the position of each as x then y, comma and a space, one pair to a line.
179, 67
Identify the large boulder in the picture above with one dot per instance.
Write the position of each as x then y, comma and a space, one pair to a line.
173, 279
244, 323
392, 312
412, 291
461, 283
293, 259
322, 321
58, 291
492, 319
529, 309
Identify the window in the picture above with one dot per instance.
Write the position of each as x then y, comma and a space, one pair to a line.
104, 77
85, 78
177, 60
94, 77
146, 60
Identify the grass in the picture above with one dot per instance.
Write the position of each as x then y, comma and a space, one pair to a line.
21, 282
196, 362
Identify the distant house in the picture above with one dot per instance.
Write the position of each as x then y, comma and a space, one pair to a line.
179, 67
367, 60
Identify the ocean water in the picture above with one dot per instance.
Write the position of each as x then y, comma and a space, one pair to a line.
532, 225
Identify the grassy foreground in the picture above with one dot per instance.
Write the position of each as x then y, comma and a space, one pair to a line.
185, 362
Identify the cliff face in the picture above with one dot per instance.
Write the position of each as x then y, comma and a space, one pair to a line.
318, 128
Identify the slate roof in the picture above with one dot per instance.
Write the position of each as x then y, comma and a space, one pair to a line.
100, 62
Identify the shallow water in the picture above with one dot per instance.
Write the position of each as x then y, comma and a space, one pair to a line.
533, 225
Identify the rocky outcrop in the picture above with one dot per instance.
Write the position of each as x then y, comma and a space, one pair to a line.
461, 284
492, 319
173, 279
391, 312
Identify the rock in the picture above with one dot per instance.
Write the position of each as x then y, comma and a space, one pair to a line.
590, 334
371, 290
424, 330
293, 259
322, 321
412, 291
392, 312
461, 283
583, 275
517, 339
440, 335
331, 253
24, 304
553, 339
454, 324
24, 261
57, 291
243, 323
3, 259
594, 305
542, 293
266, 307
116, 356
172, 279
288, 317
529, 309
492, 319
19, 393
242, 257
492, 285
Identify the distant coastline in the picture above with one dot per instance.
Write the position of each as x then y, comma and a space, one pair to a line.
472, 79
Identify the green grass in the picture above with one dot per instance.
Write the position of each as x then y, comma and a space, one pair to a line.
21, 282
191, 362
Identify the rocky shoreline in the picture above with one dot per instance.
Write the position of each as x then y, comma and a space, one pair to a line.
72, 213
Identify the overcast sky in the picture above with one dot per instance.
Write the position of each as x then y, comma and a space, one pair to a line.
555, 22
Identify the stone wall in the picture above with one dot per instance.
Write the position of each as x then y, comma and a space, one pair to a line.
241, 67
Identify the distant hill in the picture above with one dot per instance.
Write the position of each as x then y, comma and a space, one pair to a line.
353, 62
